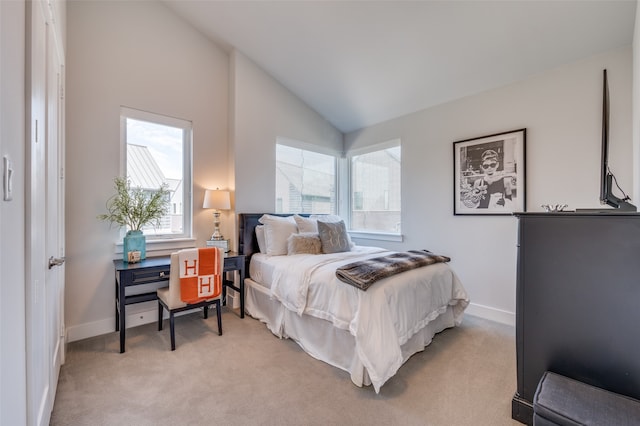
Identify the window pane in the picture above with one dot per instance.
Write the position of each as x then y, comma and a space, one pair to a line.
154, 157
305, 181
375, 191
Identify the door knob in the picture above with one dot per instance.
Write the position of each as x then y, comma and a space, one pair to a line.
55, 261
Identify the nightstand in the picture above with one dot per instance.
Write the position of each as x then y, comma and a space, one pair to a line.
234, 262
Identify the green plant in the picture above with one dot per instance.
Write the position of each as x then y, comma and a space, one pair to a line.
135, 207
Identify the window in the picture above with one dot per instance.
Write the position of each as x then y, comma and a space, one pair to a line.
157, 150
375, 189
305, 181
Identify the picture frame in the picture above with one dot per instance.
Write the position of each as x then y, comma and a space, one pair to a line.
489, 174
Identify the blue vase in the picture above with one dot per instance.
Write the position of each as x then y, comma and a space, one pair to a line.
134, 241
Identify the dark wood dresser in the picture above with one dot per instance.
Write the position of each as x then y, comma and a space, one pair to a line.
577, 302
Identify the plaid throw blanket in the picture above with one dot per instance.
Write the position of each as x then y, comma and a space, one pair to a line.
364, 273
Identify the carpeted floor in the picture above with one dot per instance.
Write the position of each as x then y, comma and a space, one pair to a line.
247, 376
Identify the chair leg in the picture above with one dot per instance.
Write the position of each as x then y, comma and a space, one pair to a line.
172, 331
219, 314
159, 316
224, 291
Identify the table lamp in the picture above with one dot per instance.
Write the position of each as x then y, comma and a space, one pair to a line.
217, 200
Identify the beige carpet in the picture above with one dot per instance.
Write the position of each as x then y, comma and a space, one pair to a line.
247, 376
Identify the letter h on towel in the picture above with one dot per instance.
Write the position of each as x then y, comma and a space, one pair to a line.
200, 274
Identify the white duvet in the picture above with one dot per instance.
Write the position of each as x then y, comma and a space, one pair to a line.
382, 318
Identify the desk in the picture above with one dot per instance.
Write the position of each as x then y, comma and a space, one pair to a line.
157, 270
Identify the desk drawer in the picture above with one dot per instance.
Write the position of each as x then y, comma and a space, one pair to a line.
147, 276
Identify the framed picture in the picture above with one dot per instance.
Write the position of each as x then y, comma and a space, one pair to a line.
489, 174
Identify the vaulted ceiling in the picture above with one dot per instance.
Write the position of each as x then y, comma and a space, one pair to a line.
358, 63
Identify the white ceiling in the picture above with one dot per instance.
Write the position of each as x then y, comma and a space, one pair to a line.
358, 63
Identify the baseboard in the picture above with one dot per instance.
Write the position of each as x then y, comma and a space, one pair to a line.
90, 329
493, 314
97, 328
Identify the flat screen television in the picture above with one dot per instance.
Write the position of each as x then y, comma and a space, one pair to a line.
607, 179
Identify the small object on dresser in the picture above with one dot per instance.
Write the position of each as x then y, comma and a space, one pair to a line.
223, 244
554, 207
133, 257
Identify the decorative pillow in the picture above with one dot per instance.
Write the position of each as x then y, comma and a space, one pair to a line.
276, 231
304, 243
262, 245
334, 237
306, 224
331, 218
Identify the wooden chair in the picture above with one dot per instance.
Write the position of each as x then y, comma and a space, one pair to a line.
169, 298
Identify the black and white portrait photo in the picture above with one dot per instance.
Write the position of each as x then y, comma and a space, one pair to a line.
489, 174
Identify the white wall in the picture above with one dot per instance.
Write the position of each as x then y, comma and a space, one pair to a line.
121, 54
561, 110
13, 376
140, 55
264, 110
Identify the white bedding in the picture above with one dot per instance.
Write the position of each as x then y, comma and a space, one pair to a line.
381, 319
261, 269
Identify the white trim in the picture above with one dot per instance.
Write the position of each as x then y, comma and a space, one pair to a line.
292, 143
160, 247
493, 314
187, 159
152, 117
105, 326
373, 148
346, 187
306, 147
380, 236
342, 190
134, 319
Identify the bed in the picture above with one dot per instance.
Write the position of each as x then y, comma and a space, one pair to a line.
368, 334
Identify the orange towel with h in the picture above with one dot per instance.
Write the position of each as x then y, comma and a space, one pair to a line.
200, 274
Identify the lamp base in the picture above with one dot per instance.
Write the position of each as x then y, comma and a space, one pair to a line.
216, 236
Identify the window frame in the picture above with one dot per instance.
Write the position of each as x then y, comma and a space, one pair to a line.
187, 166
343, 183
315, 149
347, 205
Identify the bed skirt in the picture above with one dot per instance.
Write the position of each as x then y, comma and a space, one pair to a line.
323, 341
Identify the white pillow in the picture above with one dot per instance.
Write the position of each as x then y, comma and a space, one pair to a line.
262, 245
304, 243
306, 224
276, 231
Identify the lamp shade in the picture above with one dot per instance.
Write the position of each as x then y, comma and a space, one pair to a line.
216, 199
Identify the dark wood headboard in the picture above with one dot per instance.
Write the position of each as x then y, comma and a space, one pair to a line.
247, 241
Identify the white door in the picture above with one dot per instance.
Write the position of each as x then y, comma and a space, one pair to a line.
44, 242
54, 279
38, 371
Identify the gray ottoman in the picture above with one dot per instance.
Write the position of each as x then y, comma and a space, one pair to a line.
562, 401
